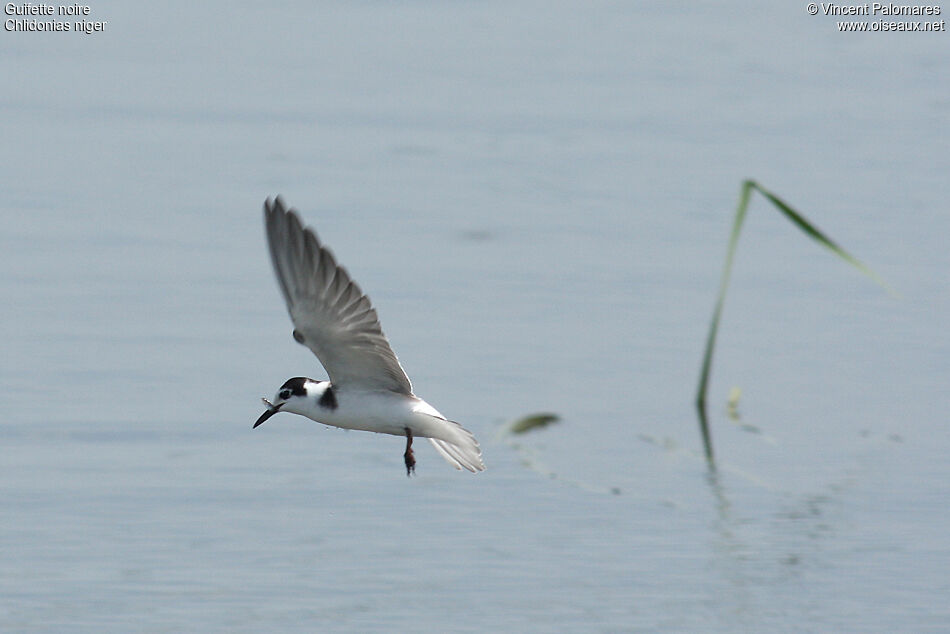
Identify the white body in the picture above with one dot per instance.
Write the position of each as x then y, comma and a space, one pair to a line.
378, 411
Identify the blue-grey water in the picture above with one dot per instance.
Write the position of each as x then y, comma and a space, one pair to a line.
537, 197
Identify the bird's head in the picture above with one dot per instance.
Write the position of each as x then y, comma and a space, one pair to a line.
289, 397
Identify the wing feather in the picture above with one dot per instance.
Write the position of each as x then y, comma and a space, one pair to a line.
328, 309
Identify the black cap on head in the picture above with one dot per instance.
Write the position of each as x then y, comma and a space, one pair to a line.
296, 385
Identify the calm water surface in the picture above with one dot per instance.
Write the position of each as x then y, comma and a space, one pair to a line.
537, 199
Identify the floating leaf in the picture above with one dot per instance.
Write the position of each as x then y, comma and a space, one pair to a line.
533, 421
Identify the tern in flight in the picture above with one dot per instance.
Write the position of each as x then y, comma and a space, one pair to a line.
368, 389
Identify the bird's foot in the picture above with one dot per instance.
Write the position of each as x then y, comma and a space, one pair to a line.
408, 456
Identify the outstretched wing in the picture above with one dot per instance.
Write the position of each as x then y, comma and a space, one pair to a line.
331, 314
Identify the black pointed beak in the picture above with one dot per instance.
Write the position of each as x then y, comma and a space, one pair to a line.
267, 414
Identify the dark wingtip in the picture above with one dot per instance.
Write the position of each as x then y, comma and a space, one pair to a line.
274, 204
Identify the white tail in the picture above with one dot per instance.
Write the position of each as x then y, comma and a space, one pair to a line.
464, 454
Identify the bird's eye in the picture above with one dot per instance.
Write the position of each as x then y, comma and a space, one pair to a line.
284, 394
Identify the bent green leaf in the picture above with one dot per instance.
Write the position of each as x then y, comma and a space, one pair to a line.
810, 230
